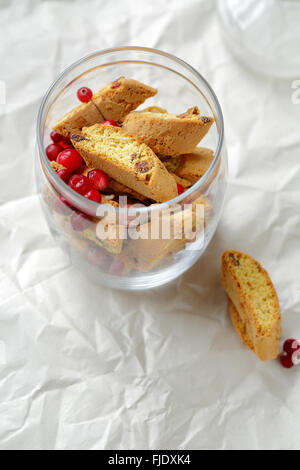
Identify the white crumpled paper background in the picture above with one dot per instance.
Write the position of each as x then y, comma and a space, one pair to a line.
91, 368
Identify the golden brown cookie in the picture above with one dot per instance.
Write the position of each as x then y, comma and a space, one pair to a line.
168, 134
254, 298
192, 166
126, 160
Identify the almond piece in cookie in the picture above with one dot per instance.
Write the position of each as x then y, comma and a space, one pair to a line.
126, 160
120, 97
168, 134
253, 298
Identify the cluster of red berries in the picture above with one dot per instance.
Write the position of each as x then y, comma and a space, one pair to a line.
88, 186
290, 355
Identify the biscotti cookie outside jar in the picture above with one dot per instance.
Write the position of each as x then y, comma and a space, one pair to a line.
83, 197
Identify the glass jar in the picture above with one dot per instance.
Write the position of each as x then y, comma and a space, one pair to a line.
133, 247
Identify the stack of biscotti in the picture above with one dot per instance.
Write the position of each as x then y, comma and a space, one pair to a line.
152, 131
114, 101
253, 303
148, 155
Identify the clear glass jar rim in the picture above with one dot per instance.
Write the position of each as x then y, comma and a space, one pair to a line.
176, 200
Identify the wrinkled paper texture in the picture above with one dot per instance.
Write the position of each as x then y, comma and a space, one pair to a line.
86, 367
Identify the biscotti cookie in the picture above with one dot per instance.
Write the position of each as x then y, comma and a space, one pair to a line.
84, 115
149, 252
120, 97
168, 134
126, 160
253, 295
193, 166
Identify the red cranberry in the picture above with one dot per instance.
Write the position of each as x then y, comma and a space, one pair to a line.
70, 159
84, 94
99, 179
290, 345
116, 267
286, 360
65, 174
80, 221
180, 189
93, 195
110, 122
56, 137
52, 151
80, 183
62, 206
